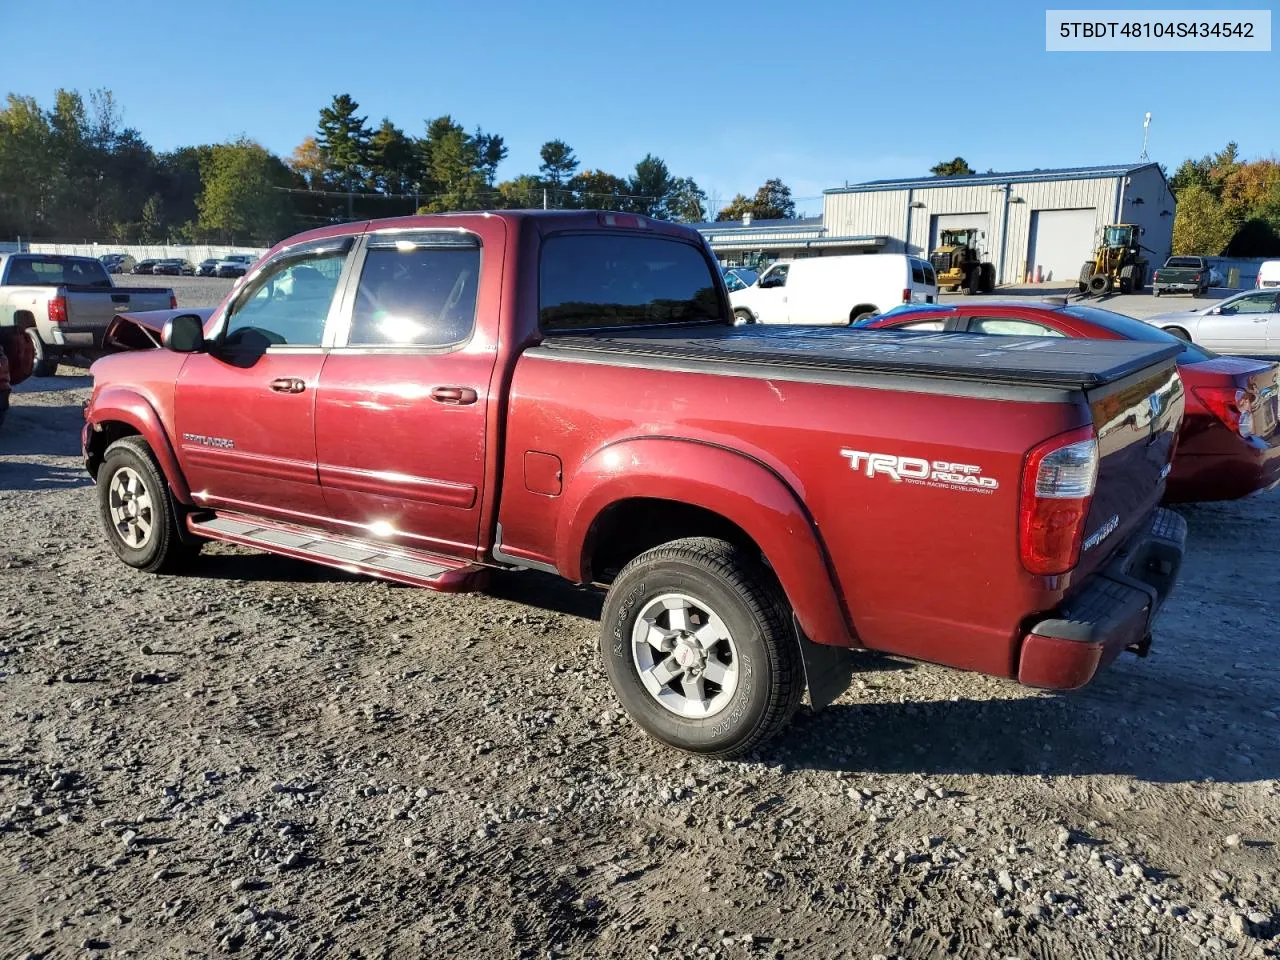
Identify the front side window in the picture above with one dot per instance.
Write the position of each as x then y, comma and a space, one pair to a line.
776, 276
287, 304
1254, 303
416, 290
1005, 326
613, 280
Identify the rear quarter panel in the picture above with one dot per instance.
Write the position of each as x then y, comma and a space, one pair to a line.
927, 569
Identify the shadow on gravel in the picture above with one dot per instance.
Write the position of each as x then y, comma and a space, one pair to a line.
31, 431
17, 475
263, 568
546, 592
55, 384
1050, 735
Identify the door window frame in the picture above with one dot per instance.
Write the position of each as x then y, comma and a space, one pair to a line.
218, 330
340, 341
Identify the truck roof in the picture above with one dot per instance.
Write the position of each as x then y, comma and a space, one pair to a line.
547, 220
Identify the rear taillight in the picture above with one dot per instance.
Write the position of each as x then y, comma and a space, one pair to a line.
173, 301
906, 295
1234, 407
1196, 277
1058, 481
58, 310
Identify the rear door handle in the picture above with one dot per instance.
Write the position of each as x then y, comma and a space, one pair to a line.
454, 396
288, 385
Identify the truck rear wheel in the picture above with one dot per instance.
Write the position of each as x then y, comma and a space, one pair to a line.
46, 364
136, 510
697, 643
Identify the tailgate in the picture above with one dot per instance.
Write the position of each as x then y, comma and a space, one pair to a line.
93, 308
1137, 420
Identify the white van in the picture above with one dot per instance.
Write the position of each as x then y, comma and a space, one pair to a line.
1268, 274
834, 291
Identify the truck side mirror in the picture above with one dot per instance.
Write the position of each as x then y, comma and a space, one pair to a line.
183, 334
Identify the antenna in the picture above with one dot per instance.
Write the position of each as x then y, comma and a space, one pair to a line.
1146, 126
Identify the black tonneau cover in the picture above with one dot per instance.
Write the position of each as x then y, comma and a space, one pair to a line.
1044, 361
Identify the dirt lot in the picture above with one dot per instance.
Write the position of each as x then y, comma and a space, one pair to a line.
273, 759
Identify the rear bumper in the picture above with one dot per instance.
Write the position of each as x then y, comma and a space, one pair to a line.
1182, 286
1113, 612
1251, 467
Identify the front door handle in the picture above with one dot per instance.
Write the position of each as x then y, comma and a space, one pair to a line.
454, 396
288, 385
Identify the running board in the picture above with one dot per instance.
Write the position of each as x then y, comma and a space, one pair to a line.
346, 553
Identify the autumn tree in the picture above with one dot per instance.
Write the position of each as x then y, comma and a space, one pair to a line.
240, 202
1201, 226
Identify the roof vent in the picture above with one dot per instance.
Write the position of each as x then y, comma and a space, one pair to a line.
746, 219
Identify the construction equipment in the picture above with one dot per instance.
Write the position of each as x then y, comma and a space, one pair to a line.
958, 262
1117, 263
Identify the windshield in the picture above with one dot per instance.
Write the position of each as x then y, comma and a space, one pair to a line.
1132, 329
1117, 236
57, 272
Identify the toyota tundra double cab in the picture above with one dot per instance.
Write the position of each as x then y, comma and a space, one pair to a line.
432, 398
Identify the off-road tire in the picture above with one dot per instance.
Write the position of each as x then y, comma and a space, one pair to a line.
743, 317
4, 405
973, 281
164, 551
988, 277
734, 583
46, 364
1099, 284
1126, 280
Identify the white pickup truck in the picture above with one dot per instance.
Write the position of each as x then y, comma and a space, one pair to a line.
65, 303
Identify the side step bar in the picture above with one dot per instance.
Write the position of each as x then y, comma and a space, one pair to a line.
346, 553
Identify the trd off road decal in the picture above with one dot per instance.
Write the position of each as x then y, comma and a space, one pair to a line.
942, 474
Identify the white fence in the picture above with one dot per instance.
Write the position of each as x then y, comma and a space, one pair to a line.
195, 252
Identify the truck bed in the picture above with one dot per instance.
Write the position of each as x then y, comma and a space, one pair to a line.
1017, 361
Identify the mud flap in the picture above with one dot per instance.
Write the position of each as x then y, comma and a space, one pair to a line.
828, 670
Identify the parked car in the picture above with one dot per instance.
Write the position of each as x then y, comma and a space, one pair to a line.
174, 267
235, 265
144, 266
1191, 275
1268, 274
65, 303
207, 268
1229, 445
118, 262
1245, 323
578, 401
834, 290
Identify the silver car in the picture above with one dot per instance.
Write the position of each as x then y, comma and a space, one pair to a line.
1247, 323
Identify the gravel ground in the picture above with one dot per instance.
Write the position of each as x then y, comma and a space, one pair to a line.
191, 291
274, 759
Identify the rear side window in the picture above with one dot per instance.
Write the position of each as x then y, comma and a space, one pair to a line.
416, 290
917, 272
611, 280
1006, 326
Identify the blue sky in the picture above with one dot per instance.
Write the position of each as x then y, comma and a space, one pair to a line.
815, 92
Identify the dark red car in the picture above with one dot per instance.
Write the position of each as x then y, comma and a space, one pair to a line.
1229, 445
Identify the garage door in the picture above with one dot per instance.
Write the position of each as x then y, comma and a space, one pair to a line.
1061, 241
958, 221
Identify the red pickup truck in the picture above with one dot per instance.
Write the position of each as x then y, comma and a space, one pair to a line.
430, 398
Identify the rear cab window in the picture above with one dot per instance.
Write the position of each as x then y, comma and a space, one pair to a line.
28, 271
603, 280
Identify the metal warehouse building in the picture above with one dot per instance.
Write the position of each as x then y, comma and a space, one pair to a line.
1046, 219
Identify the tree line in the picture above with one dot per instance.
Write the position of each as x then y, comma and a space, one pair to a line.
74, 171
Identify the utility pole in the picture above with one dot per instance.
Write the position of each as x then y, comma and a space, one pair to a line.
544, 198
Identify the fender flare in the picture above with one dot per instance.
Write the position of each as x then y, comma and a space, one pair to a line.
730, 484
122, 405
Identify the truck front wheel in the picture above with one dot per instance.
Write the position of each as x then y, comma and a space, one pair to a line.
697, 642
139, 517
